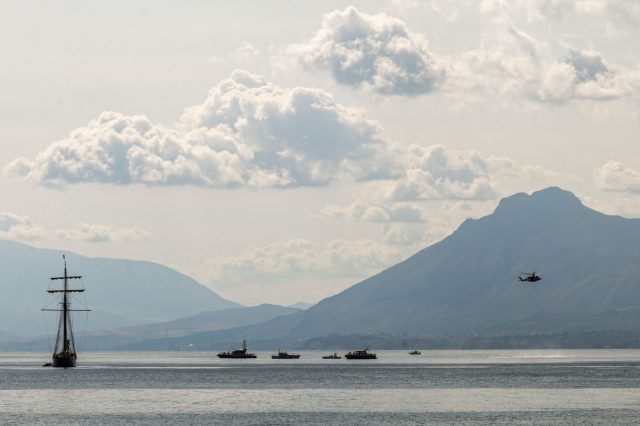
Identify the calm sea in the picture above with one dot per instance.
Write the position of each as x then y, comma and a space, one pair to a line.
438, 387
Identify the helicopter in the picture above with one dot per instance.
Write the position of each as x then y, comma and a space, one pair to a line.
529, 277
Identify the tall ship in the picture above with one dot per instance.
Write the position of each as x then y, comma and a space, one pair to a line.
361, 354
64, 351
238, 353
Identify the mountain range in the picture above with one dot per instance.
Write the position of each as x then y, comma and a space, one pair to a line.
119, 292
466, 284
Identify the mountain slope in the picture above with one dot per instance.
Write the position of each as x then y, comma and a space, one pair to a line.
467, 283
208, 321
156, 335
122, 292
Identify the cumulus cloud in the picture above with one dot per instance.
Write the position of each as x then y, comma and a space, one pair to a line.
301, 258
404, 212
247, 132
373, 51
16, 227
616, 177
439, 190
378, 52
96, 233
434, 172
513, 63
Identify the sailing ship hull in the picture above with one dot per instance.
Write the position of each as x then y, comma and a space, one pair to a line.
64, 361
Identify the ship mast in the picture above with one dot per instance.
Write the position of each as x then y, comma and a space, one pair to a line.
65, 304
65, 348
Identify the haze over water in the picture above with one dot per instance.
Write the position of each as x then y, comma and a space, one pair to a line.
439, 387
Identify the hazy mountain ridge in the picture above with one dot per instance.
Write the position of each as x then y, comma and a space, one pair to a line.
120, 292
209, 321
467, 283
160, 334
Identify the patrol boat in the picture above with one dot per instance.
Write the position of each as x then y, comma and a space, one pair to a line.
363, 354
285, 355
238, 353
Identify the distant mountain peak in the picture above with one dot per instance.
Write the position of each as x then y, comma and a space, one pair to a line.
468, 282
548, 198
555, 194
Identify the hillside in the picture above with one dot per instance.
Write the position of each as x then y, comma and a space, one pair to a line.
208, 321
467, 283
120, 292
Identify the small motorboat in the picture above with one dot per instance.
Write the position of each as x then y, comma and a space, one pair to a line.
334, 356
415, 352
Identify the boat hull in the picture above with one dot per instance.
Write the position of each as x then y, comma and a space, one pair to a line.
285, 357
361, 356
63, 361
236, 356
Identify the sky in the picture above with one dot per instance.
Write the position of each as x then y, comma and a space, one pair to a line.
282, 151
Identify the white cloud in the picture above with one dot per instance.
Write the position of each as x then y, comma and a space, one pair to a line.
96, 233
16, 227
283, 260
512, 63
318, 269
403, 212
247, 132
434, 172
626, 205
438, 190
13, 226
616, 177
360, 50
372, 51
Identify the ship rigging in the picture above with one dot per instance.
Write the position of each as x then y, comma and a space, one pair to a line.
64, 351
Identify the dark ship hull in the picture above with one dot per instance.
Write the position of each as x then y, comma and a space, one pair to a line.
364, 354
64, 361
368, 356
236, 356
334, 356
288, 356
238, 353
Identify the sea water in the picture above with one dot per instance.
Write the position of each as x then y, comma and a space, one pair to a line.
437, 387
